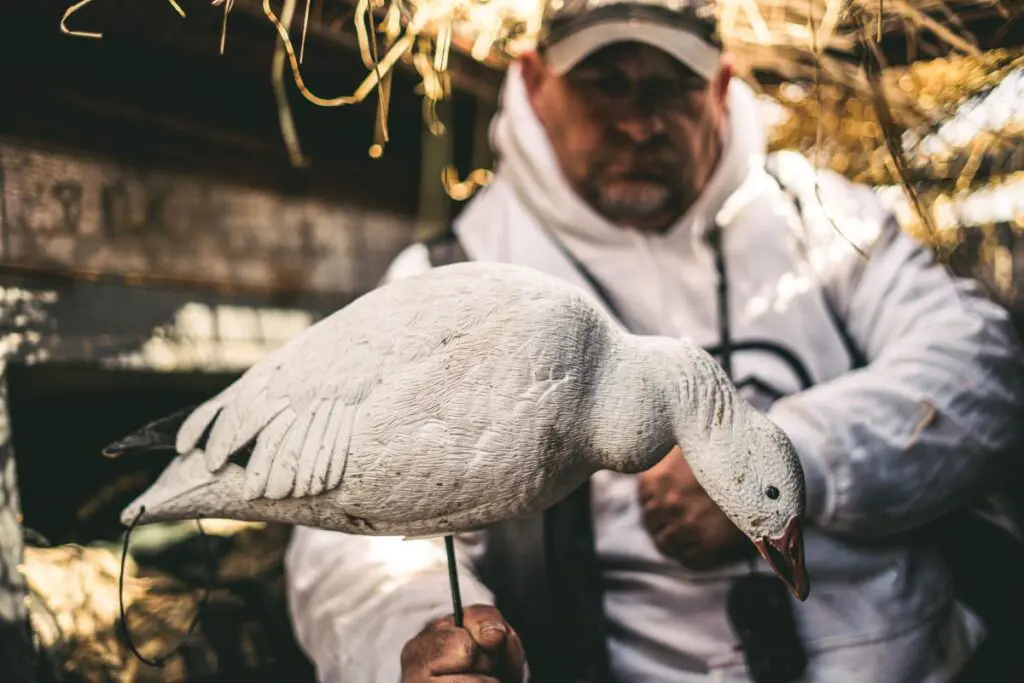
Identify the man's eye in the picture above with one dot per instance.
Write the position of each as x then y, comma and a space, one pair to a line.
672, 92
690, 85
613, 86
608, 85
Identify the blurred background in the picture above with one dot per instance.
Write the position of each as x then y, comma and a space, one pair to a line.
174, 204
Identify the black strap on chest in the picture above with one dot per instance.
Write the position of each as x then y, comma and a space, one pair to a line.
445, 249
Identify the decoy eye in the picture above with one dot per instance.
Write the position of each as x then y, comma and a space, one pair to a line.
772, 492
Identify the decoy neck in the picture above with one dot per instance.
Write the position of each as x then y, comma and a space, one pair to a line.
657, 392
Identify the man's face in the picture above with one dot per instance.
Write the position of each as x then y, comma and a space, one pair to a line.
635, 132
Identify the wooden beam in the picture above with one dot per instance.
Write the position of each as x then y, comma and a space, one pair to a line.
103, 220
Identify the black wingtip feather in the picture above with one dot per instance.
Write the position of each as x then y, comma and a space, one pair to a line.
155, 438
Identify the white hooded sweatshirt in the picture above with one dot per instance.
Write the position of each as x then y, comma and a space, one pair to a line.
885, 448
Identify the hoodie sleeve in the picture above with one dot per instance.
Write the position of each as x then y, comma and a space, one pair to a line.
355, 601
931, 422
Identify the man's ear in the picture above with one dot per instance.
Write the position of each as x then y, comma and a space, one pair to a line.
534, 72
726, 71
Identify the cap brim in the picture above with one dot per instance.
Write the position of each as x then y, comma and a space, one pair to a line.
689, 48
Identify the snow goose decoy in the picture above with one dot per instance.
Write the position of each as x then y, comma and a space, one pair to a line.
470, 394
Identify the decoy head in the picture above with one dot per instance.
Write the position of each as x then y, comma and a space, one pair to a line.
753, 474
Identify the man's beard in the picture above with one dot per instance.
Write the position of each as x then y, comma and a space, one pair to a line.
636, 203
647, 198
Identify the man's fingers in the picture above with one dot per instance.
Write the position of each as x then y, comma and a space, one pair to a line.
489, 635
500, 650
486, 626
441, 650
515, 657
669, 540
670, 475
484, 645
481, 612
473, 614
669, 462
658, 512
662, 467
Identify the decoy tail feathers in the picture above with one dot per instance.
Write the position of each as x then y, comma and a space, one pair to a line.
157, 437
186, 490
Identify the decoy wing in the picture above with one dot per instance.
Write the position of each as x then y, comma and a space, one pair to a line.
297, 410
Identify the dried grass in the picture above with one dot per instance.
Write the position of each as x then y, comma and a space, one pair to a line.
73, 606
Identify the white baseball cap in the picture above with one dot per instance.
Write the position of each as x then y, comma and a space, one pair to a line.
572, 30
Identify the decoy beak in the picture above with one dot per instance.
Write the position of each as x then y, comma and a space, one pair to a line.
786, 557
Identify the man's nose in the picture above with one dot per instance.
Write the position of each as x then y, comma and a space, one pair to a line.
640, 127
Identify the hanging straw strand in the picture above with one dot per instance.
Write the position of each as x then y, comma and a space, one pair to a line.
71, 32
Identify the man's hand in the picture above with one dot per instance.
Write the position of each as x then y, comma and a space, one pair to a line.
485, 650
683, 521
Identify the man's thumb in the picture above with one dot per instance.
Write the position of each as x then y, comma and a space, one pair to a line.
489, 635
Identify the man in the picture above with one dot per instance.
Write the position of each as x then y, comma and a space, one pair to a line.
632, 164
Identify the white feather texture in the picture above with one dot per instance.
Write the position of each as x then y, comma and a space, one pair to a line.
452, 400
